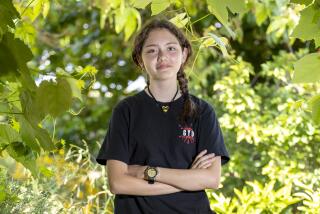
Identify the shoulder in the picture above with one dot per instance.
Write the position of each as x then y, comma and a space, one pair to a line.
129, 101
204, 107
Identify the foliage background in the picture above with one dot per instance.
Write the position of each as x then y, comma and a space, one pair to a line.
62, 74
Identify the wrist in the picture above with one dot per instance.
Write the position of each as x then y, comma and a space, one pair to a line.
150, 174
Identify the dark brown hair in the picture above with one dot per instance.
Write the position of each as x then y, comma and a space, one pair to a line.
190, 109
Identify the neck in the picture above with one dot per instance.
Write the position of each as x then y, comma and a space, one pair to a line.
164, 91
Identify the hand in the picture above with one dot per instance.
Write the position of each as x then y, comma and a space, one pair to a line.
136, 171
203, 161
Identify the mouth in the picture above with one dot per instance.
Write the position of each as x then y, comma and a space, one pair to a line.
163, 66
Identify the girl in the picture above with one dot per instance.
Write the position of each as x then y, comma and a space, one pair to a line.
164, 146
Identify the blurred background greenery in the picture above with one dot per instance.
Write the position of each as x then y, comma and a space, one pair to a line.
66, 64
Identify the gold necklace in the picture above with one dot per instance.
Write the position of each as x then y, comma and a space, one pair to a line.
164, 108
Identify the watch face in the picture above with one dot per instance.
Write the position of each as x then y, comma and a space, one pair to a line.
152, 172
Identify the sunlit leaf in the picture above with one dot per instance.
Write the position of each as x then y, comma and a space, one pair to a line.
314, 103
308, 27
54, 98
219, 9
141, 3
180, 20
157, 6
7, 13
76, 86
305, 2
307, 69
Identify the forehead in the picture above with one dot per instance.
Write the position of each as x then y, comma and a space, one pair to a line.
160, 36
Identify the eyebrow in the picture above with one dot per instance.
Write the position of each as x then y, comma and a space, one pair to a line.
166, 44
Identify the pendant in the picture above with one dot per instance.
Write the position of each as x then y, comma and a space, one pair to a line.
165, 108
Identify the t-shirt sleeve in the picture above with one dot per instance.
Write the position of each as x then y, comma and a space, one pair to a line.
116, 142
211, 136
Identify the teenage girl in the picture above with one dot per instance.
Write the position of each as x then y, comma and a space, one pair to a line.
164, 146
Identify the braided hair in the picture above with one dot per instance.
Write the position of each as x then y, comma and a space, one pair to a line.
190, 109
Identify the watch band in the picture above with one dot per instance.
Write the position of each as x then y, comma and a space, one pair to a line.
151, 180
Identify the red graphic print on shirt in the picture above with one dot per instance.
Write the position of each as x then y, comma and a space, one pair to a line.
187, 134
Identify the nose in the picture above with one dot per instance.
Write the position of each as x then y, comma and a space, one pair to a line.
162, 56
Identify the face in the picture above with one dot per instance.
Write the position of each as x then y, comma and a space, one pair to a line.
162, 55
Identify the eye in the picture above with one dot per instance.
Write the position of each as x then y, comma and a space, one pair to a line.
171, 48
151, 51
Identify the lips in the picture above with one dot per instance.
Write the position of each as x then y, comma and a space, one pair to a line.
162, 66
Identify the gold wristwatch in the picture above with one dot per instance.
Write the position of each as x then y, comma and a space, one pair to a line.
150, 174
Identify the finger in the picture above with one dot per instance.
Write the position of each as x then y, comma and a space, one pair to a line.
200, 155
206, 162
203, 158
208, 156
206, 166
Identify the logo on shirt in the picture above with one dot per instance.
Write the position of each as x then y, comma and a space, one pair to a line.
187, 134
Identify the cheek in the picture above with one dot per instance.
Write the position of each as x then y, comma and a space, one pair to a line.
175, 57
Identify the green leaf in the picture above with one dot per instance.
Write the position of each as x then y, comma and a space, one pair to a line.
4, 107
8, 134
54, 98
221, 44
28, 134
14, 55
24, 155
157, 6
133, 17
179, 20
3, 194
141, 3
46, 172
307, 69
120, 19
75, 87
308, 27
314, 104
219, 9
105, 7
46, 8
261, 13
89, 69
26, 32
7, 14
30, 107
305, 2
317, 42
44, 139
236, 6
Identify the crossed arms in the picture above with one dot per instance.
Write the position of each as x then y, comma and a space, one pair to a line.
126, 179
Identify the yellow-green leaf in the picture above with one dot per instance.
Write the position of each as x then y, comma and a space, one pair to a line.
179, 20
305, 2
314, 103
75, 87
141, 3
46, 8
261, 13
307, 69
157, 6
54, 98
308, 27
8, 134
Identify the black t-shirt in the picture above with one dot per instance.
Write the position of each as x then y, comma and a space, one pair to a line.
140, 133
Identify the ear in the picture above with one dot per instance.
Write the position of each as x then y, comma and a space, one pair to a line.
184, 55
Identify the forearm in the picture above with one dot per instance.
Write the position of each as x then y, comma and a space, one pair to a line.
187, 179
130, 185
